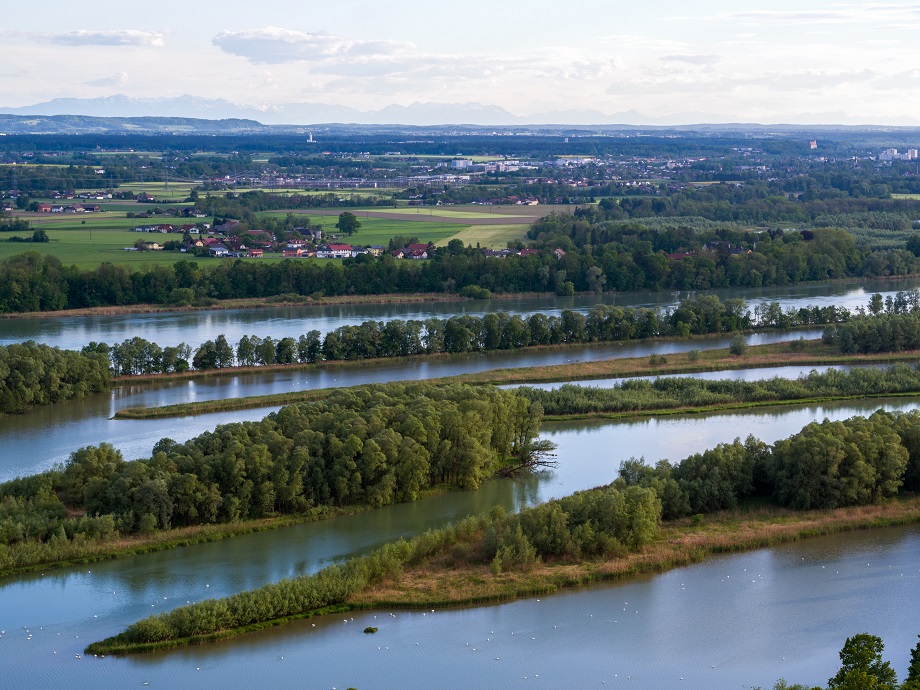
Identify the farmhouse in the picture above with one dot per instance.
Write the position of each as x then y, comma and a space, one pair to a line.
334, 251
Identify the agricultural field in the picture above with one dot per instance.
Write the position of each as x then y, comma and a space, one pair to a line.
488, 236
90, 239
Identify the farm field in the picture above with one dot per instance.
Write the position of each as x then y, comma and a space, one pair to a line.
377, 230
488, 236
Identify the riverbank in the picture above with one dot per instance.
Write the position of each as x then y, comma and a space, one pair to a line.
437, 583
29, 557
680, 543
796, 353
251, 303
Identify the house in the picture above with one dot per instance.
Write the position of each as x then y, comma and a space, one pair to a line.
44, 208
334, 251
558, 253
358, 251
254, 253
528, 252
376, 250
295, 252
217, 249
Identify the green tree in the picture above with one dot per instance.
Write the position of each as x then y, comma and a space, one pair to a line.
862, 667
348, 223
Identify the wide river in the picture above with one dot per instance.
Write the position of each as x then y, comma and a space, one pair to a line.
193, 328
731, 622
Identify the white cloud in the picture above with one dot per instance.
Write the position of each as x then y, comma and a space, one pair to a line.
112, 81
276, 45
842, 14
118, 37
692, 59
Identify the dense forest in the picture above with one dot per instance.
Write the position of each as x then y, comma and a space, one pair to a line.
32, 374
361, 446
825, 465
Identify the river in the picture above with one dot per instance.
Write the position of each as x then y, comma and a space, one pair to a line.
35, 441
735, 621
194, 327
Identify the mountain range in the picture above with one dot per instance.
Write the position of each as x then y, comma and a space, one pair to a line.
422, 114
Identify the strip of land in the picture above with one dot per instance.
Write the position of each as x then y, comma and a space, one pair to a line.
797, 353
439, 583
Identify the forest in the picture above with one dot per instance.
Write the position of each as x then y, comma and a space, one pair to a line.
826, 465
33, 374
370, 446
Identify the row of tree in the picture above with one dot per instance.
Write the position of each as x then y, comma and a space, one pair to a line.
704, 314
672, 392
32, 374
374, 445
826, 465
593, 262
890, 332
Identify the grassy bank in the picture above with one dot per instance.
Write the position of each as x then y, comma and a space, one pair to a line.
437, 582
247, 303
805, 353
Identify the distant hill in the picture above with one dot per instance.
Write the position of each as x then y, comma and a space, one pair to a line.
86, 124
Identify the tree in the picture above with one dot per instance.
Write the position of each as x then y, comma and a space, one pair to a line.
738, 345
912, 682
862, 667
40, 236
348, 223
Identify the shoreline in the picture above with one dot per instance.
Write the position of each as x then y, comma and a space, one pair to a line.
384, 298
679, 544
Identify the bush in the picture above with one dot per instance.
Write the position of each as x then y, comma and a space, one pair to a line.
738, 345
475, 292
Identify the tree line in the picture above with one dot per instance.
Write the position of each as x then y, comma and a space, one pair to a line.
33, 374
825, 465
632, 258
674, 392
373, 446
704, 314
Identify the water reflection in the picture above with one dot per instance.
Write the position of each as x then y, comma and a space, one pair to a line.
193, 328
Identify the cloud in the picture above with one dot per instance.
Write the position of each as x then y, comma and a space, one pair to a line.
113, 80
275, 45
692, 59
843, 14
118, 37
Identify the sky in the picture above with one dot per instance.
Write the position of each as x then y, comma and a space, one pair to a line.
661, 60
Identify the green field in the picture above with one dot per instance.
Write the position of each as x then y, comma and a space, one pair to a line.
178, 191
378, 231
436, 212
103, 237
488, 236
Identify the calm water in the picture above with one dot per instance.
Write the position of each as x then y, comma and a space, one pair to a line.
730, 622
194, 328
35, 441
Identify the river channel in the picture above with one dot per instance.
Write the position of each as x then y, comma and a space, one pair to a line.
35, 441
193, 328
735, 621
731, 622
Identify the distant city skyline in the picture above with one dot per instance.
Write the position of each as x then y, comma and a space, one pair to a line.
665, 62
